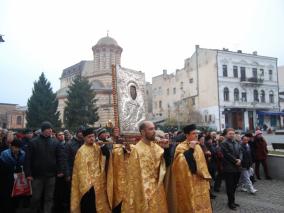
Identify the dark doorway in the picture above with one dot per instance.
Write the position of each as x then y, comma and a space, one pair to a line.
237, 120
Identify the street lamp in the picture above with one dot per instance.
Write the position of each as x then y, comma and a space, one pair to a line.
1, 39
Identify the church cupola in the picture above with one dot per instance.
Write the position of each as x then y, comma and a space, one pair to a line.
106, 52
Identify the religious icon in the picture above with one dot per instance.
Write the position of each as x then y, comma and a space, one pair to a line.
131, 99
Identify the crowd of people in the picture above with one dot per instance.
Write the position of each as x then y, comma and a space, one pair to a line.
98, 171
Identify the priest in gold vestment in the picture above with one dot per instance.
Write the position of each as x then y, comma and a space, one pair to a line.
119, 160
190, 176
145, 172
90, 191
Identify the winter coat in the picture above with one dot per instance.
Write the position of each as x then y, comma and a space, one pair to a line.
246, 156
71, 150
231, 151
260, 148
8, 166
44, 158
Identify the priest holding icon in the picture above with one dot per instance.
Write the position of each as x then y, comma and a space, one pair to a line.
190, 176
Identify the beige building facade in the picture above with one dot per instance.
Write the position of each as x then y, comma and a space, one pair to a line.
106, 53
12, 116
228, 89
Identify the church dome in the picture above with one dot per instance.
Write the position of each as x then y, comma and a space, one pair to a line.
107, 41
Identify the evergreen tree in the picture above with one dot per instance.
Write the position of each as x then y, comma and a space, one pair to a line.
80, 105
42, 105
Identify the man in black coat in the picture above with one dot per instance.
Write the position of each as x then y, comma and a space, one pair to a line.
62, 191
43, 163
72, 148
231, 165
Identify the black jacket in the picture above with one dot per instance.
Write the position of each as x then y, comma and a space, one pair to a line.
71, 149
44, 158
231, 151
246, 156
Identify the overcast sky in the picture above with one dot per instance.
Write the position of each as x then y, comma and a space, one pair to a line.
50, 35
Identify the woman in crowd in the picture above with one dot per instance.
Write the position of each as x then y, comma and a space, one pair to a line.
11, 161
261, 154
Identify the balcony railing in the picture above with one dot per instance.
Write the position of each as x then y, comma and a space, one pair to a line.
251, 80
248, 104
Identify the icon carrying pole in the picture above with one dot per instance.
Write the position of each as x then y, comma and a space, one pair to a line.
114, 96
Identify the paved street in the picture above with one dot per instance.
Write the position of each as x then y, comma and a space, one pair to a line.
269, 199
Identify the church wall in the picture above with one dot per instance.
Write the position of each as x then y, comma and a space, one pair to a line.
105, 54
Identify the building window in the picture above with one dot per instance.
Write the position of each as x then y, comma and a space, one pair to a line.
205, 118
244, 97
261, 72
104, 61
255, 96
243, 73
254, 72
174, 90
210, 118
262, 96
271, 97
270, 75
193, 101
191, 80
236, 94
235, 70
168, 91
160, 104
19, 120
225, 71
181, 85
226, 94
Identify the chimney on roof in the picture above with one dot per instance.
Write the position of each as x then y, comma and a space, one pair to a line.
164, 72
254, 52
225, 49
196, 46
239, 51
